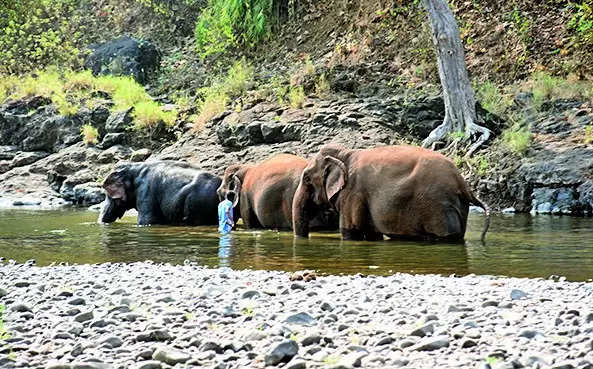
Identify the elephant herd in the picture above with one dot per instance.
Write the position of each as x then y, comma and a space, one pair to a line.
393, 191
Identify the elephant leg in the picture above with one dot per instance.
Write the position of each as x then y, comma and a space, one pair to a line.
372, 235
353, 221
249, 217
352, 234
147, 218
147, 214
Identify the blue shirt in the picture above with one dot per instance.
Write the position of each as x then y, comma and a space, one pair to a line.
225, 216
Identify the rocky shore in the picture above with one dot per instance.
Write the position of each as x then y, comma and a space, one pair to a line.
144, 315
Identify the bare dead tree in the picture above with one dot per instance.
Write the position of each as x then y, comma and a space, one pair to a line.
458, 95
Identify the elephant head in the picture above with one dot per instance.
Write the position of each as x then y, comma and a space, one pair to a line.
120, 195
230, 183
320, 185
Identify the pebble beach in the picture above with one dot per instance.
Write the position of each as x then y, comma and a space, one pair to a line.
150, 316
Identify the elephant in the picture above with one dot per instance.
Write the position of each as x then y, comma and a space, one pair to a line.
393, 191
265, 192
163, 192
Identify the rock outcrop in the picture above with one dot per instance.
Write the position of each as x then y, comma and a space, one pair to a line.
124, 56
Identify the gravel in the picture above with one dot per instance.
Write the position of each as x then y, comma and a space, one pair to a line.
146, 315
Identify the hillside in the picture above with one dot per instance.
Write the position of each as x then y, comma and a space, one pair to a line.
357, 72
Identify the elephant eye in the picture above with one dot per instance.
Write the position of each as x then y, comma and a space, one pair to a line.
307, 180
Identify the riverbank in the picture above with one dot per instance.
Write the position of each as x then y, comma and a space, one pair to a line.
144, 315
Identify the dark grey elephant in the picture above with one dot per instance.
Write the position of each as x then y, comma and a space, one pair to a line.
163, 192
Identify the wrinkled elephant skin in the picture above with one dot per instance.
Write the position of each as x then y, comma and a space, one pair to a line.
266, 192
394, 191
163, 192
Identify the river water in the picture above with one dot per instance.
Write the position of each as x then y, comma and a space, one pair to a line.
517, 245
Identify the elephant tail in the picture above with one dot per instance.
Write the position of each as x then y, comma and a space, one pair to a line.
474, 200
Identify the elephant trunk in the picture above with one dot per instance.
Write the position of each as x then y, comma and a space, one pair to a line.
237, 189
300, 223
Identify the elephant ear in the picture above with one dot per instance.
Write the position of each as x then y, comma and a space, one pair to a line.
335, 176
115, 187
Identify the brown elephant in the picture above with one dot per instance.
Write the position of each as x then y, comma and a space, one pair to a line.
397, 191
266, 190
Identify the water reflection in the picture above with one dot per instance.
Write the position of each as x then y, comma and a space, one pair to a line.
224, 249
522, 246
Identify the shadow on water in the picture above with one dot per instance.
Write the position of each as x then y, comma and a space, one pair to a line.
519, 245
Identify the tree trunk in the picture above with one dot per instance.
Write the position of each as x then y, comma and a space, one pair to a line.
458, 95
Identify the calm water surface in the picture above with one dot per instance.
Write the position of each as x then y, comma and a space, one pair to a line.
517, 245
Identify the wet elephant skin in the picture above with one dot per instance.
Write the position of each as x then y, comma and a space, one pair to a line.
163, 192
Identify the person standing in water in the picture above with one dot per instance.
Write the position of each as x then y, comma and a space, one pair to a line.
225, 214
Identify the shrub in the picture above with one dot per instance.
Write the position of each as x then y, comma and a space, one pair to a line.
238, 77
518, 136
492, 98
588, 134
128, 93
547, 87
214, 102
69, 90
147, 114
296, 97
80, 81
322, 86
38, 33
227, 23
582, 22
90, 134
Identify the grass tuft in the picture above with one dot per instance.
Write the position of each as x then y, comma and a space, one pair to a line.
296, 97
90, 134
493, 99
213, 103
518, 136
149, 113
70, 90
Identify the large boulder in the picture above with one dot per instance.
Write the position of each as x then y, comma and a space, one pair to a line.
124, 56
43, 130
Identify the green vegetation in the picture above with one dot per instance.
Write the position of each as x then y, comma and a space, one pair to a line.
149, 113
582, 22
518, 136
296, 97
69, 90
214, 102
4, 333
588, 134
238, 77
322, 86
32, 36
90, 134
214, 99
227, 23
480, 164
522, 25
547, 87
492, 98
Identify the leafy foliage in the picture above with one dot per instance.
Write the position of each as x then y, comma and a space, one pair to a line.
582, 22
37, 33
216, 97
492, 98
227, 23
